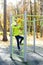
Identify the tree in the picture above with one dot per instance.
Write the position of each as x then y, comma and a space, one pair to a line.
4, 31
31, 17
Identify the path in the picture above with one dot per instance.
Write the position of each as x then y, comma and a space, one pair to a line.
33, 58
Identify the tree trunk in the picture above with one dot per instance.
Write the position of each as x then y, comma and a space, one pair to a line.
31, 17
4, 31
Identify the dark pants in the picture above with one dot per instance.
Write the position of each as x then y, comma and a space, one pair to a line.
19, 40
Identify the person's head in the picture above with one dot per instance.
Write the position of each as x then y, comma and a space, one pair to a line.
19, 21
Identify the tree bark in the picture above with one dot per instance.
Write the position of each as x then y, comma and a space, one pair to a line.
4, 31
31, 17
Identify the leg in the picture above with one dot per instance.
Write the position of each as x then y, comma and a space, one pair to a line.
21, 38
17, 38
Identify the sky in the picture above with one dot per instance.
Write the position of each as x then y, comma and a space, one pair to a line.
15, 1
